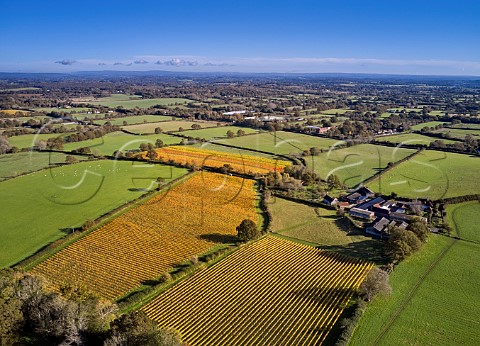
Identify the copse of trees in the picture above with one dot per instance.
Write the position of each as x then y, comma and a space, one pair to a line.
247, 230
401, 244
33, 314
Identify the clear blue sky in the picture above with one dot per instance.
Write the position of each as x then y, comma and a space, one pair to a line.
389, 36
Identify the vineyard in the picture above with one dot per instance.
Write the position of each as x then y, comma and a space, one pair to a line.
272, 292
146, 241
209, 158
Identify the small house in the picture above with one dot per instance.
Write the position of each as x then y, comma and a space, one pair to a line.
329, 200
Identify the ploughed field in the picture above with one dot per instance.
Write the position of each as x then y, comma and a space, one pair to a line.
271, 292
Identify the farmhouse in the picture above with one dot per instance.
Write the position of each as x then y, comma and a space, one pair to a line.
362, 214
317, 129
328, 200
379, 227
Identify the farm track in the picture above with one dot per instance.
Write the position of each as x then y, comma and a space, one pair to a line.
422, 279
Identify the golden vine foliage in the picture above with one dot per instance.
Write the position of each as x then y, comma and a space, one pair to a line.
186, 155
271, 292
149, 239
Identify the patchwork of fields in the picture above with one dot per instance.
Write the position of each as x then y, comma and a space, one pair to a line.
167, 126
42, 207
133, 101
151, 238
272, 292
432, 174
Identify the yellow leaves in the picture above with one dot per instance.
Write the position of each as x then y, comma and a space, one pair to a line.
186, 155
146, 241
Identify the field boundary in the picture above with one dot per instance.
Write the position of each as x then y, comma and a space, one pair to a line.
52, 248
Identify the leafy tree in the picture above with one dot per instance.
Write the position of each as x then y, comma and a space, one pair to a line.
159, 143
419, 228
70, 159
136, 329
401, 244
230, 134
375, 283
11, 321
247, 230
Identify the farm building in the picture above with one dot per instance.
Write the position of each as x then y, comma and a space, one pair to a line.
362, 214
329, 200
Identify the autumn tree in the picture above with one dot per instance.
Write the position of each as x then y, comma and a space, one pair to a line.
374, 284
401, 244
247, 230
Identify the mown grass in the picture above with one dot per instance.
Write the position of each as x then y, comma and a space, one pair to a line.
418, 127
432, 174
459, 133
357, 163
30, 140
41, 207
12, 165
111, 142
281, 142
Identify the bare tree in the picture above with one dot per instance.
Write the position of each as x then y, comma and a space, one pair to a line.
375, 283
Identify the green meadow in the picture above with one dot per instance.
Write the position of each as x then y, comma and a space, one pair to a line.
411, 138
167, 126
217, 132
133, 101
432, 174
42, 207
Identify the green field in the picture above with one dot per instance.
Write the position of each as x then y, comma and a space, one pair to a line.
357, 163
66, 110
418, 127
217, 132
321, 227
41, 207
459, 133
336, 111
107, 144
28, 141
12, 165
280, 142
168, 126
137, 119
432, 174
466, 126
433, 306
411, 138
133, 101
466, 215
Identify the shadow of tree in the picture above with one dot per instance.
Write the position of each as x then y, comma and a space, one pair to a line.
370, 250
219, 238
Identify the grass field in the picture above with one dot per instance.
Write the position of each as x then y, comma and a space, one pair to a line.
217, 132
66, 110
153, 237
357, 163
418, 127
459, 133
280, 142
466, 215
442, 308
322, 227
432, 174
168, 126
271, 292
411, 138
221, 148
131, 120
335, 111
107, 144
28, 141
41, 207
132, 101
12, 165
466, 126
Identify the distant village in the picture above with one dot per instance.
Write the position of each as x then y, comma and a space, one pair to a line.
378, 214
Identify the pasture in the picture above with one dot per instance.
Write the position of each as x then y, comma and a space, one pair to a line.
459, 133
356, 163
12, 165
132, 120
30, 140
167, 126
280, 142
418, 127
432, 174
411, 138
133, 101
271, 292
217, 132
323, 228
153, 237
111, 142
62, 110
443, 309
41, 207
216, 147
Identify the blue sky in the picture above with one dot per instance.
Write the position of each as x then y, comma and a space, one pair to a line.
389, 36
